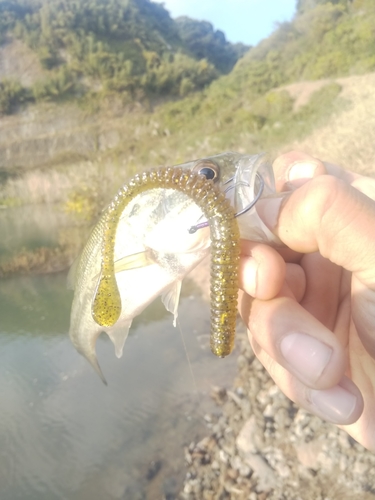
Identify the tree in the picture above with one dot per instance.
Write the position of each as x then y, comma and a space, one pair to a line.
203, 42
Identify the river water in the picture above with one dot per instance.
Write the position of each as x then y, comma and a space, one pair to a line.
63, 434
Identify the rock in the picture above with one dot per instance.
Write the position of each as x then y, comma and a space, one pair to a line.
223, 456
233, 396
308, 453
360, 468
236, 462
266, 477
245, 441
215, 465
232, 474
246, 409
269, 411
219, 395
263, 398
262, 447
282, 419
240, 392
244, 470
344, 440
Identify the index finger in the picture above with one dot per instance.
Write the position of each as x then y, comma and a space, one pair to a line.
330, 216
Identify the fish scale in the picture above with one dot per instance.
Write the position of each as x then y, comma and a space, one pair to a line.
225, 250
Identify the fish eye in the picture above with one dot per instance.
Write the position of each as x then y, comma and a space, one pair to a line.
207, 168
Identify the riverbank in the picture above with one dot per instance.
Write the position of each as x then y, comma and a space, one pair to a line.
259, 445
42, 260
40, 239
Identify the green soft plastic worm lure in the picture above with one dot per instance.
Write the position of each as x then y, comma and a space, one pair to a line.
225, 250
158, 227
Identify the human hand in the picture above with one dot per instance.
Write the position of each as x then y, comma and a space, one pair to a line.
312, 320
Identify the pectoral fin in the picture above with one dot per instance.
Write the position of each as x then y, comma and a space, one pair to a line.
134, 261
171, 298
118, 335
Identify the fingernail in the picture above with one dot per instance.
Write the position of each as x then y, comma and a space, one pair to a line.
336, 404
306, 355
301, 170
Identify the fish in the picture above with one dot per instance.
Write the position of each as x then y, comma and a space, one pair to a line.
158, 237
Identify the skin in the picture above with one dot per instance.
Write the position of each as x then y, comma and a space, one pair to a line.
310, 305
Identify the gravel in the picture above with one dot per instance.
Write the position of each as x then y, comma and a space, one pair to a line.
259, 445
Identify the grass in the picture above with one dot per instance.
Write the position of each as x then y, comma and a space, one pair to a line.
347, 137
334, 123
11, 202
172, 133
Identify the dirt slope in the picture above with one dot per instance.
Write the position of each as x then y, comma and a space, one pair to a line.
348, 139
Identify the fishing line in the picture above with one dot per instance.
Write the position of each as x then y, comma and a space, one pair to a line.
187, 356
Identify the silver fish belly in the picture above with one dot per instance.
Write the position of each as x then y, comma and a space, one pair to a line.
153, 245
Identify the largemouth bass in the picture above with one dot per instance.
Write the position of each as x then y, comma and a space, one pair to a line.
143, 248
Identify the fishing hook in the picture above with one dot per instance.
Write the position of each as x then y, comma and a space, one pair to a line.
248, 207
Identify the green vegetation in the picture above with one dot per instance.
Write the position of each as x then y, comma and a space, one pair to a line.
330, 39
132, 47
205, 43
242, 121
37, 260
60, 84
11, 95
325, 40
146, 90
10, 202
83, 202
131, 50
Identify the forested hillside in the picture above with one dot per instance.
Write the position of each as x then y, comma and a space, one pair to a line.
98, 53
327, 38
93, 90
131, 50
132, 47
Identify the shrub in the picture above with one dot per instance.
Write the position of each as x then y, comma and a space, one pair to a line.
179, 76
12, 94
273, 106
61, 83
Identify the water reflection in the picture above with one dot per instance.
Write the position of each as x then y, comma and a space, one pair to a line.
63, 434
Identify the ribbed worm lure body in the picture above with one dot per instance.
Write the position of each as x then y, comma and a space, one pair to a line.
155, 231
225, 250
